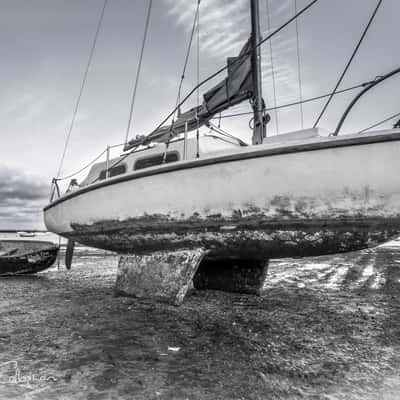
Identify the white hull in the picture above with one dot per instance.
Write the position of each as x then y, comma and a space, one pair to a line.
316, 197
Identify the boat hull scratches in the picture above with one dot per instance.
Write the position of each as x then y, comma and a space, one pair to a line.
28, 264
244, 238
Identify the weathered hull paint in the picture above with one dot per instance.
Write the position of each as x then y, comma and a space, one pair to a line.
293, 204
268, 240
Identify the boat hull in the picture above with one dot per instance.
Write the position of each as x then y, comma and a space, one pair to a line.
290, 201
28, 262
264, 241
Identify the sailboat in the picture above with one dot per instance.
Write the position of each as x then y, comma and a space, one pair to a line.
298, 194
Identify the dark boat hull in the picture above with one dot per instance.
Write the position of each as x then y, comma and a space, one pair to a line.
240, 239
28, 262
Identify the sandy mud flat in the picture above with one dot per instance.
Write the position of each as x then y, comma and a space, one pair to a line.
325, 328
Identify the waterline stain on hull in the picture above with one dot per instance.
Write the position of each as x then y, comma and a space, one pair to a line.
243, 238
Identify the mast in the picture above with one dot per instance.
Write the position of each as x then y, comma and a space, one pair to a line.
259, 131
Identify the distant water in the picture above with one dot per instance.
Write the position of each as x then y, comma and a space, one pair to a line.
42, 236
51, 237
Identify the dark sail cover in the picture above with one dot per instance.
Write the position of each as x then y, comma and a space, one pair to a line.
234, 89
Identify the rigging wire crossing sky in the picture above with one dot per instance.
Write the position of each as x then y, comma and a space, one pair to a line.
45, 47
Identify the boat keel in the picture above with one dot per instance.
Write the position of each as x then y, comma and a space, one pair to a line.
160, 276
167, 276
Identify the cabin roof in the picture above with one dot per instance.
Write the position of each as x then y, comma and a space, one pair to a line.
208, 145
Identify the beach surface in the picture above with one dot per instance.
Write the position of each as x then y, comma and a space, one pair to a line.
325, 328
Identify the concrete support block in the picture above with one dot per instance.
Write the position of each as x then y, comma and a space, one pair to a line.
161, 276
242, 276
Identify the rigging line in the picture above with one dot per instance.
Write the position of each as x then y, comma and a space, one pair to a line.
298, 102
198, 81
83, 168
116, 163
350, 60
380, 123
216, 73
89, 164
178, 99
299, 68
360, 94
82, 87
198, 57
138, 70
272, 68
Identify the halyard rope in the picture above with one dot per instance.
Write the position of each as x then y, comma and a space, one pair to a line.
82, 88
349, 61
138, 71
271, 58
380, 123
299, 69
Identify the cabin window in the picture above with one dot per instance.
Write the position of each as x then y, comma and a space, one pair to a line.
158, 159
113, 171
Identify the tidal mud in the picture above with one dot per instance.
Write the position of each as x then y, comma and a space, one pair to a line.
324, 328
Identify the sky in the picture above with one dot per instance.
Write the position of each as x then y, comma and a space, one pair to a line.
45, 45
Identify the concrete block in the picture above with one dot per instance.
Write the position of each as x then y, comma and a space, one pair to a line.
160, 276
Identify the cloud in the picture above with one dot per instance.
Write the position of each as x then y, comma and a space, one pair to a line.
22, 197
223, 24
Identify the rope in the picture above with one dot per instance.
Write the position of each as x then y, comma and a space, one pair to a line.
299, 68
298, 102
380, 123
272, 67
83, 168
178, 99
138, 70
350, 60
81, 89
117, 162
359, 95
89, 164
198, 80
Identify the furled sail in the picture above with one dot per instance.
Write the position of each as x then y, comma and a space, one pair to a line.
234, 89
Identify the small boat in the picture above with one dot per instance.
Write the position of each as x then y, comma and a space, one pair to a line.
20, 257
26, 234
